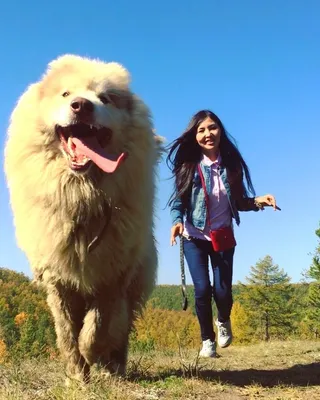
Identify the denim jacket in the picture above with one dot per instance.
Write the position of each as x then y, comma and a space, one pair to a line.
196, 213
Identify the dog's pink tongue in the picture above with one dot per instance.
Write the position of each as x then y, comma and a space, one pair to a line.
90, 147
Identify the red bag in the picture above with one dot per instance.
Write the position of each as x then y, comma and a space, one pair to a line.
222, 239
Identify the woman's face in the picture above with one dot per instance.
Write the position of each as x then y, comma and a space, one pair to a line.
208, 136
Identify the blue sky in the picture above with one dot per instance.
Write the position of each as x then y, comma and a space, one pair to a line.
256, 64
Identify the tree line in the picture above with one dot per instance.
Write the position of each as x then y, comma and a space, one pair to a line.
267, 306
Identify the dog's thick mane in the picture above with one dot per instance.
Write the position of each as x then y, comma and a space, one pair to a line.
80, 201
79, 198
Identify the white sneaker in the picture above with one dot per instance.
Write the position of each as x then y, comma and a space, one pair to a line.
208, 349
224, 333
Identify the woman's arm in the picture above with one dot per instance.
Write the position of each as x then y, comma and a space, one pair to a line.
177, 220
244, 203
176, 211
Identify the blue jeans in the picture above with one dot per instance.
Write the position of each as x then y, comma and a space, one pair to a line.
197, 253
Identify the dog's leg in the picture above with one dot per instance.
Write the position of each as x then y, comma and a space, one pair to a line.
107, 325
118, 358
137, 293
68, 309
142, 282
104, 336
119, 331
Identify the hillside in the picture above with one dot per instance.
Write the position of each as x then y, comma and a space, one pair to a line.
277, 370
26, 325
169, 297
163, 361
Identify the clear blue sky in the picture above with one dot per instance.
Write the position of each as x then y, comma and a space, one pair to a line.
256, 64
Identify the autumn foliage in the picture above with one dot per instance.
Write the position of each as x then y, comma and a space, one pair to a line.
26, 325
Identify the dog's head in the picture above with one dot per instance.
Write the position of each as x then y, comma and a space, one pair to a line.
83, 104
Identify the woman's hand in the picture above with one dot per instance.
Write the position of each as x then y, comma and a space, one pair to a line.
175, 231
266, 201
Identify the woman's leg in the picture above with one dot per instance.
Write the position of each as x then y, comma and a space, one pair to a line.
222, 264
196, 252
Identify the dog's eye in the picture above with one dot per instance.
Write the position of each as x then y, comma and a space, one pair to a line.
65, 94
104, 99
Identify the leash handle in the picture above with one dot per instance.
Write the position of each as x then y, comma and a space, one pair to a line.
183, 277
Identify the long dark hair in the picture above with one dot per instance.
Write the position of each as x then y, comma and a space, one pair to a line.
185, 153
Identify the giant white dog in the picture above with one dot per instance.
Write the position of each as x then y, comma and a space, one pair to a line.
80, 163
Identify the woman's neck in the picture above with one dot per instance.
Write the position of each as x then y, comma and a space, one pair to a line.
211, 154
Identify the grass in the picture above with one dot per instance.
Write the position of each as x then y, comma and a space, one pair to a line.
276, 370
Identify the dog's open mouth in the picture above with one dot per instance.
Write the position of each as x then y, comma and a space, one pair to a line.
83, 144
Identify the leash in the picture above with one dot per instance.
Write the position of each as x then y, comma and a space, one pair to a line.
183, 277
107, 213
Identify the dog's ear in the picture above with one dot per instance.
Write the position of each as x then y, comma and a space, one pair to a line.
66, 60
119, 76
160, 146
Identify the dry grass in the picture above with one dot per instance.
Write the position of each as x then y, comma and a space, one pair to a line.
277, 370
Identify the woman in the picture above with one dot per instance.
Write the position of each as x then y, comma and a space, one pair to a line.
204, 157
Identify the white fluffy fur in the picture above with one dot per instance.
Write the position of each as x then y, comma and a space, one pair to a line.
57, 212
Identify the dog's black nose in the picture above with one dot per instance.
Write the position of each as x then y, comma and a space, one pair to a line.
79, 105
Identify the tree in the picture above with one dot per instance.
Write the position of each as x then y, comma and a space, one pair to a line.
241, 327
165, 329
314, 271
312, 319
267, 297
3, 351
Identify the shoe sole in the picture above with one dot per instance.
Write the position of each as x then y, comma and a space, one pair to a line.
213, 356
225, 345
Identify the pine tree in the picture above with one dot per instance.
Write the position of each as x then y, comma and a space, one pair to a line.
241, 327
312, 319
267, 297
